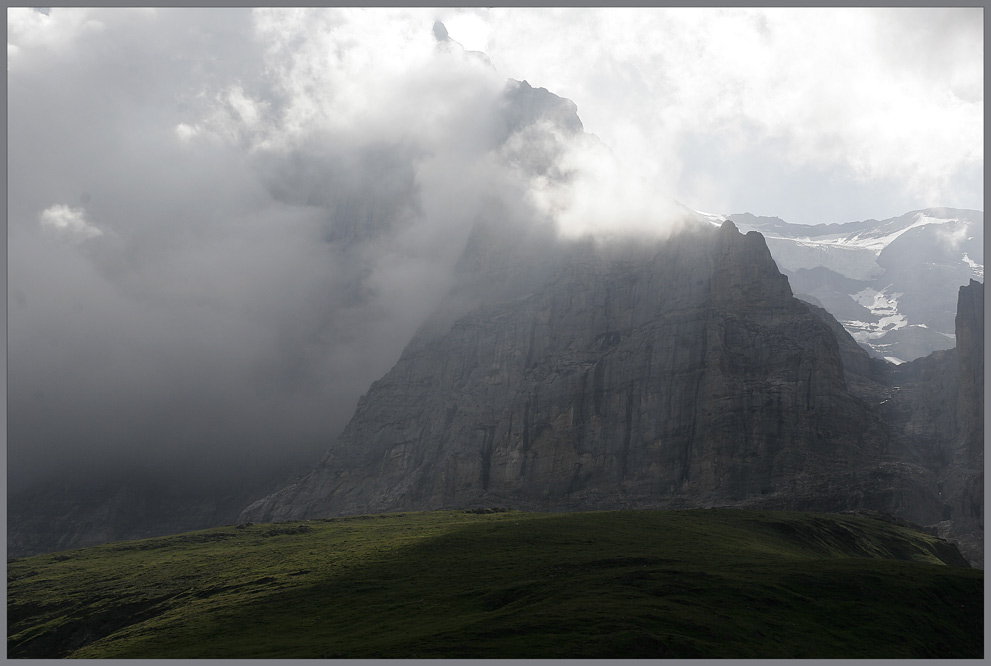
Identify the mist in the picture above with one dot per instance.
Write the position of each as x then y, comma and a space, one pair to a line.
211, 261
224, 224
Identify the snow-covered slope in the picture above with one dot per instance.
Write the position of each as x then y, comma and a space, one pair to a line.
892, 283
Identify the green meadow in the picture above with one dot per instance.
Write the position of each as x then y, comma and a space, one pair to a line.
507, 584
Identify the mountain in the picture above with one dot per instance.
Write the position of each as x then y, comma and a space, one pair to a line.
568, 375
891, 283
937, 405
571, 376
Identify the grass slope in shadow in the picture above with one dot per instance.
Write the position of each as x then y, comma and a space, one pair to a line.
699, 583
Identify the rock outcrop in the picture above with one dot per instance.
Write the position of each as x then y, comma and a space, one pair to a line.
936, 414
963, 481
674, 375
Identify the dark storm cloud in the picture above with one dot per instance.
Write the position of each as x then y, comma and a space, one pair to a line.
224, 226
123, 344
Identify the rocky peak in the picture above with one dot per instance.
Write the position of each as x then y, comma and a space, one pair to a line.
964, 477
590, 375
677, 374
969, 325
934, 407
748, 276
525, 105
440, 32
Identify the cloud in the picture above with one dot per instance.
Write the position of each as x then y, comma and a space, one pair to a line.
279, 200
273, 200
68, 222
881, 98
186, 132
586, 191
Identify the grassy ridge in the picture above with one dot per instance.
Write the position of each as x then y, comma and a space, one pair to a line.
705, 583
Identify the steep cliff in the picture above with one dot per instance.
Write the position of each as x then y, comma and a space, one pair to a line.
936, 415
682, 373
963, 482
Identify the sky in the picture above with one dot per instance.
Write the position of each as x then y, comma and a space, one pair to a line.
223, 224
812, 115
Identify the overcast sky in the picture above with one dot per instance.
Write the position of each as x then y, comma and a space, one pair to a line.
813, 115
177, 178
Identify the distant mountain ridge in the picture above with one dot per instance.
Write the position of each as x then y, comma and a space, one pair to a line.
892, 283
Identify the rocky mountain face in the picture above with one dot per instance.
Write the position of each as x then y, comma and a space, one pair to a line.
936, 408
891, 283
678, 374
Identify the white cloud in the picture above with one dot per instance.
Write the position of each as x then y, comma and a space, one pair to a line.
586, 191
378, 73
68, 222
847, 88
472, 29
954, 234
878, 98
186, 132
59, 29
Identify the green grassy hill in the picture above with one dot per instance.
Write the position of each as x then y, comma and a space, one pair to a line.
701, 583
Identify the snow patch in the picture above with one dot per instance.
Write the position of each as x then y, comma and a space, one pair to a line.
712, 218
853, 262
878, 302
885, 307
871, 240
892, 322
977, 268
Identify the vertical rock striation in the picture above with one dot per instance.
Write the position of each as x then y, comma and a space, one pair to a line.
964, 481
937, 414
674, 375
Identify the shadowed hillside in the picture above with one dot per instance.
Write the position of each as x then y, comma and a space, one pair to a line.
495, 583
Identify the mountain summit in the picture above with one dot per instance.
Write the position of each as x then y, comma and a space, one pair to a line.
678, 374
